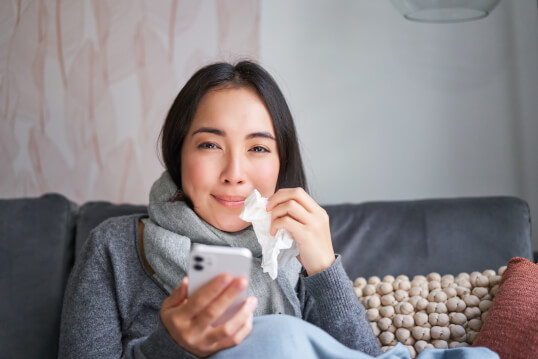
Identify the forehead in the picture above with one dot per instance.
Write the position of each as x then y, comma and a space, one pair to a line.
232, 109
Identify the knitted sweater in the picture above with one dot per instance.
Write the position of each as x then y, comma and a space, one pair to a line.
112, 304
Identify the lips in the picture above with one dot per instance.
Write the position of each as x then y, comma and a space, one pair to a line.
231, 201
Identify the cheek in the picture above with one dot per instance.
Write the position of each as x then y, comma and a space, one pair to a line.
266, 178
195, 176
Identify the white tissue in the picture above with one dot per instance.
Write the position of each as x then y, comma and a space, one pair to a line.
277, 250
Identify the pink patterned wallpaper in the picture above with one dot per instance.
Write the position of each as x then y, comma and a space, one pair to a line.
85, 87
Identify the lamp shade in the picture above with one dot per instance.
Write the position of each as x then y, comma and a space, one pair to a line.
444, 10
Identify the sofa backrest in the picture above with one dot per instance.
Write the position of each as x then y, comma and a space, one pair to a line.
94, 212
36, 256
447, 236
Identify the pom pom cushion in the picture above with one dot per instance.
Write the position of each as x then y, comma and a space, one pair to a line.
511, 329
430, 311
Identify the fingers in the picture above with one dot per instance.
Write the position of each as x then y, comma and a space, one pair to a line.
295, 210
298, 194
207, 294
220, 304
178, 295
290, 208
228, 331
307, 222
238, 337
195, 333
206, 340
293, 226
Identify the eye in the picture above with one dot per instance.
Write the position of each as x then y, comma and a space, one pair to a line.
259, 149
208, 146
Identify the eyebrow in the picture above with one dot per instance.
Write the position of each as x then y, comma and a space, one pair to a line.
209, 130
261, 134
218, 132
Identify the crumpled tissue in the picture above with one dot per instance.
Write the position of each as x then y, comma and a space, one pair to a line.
277, 251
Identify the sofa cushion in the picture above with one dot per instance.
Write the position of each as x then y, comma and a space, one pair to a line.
511, 326
91, 214
443, 235
428, 311
36, 255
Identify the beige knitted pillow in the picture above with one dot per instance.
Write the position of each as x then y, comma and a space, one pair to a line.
430, 311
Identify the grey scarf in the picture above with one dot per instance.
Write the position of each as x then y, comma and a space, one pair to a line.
173, 226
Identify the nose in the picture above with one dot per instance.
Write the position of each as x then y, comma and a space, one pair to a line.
233, 170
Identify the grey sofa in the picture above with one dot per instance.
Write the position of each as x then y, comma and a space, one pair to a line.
41, 237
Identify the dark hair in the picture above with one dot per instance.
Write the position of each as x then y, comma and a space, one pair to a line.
224, 75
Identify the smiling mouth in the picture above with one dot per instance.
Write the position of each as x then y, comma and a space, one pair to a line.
230, 202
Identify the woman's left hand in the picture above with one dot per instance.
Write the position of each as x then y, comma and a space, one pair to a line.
308, 224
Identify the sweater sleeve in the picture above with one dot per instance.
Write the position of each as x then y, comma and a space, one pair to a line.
329, 302
91, 321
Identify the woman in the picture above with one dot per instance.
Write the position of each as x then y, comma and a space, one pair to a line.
228, 132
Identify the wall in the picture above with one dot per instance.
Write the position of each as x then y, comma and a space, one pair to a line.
391, 109
85, 87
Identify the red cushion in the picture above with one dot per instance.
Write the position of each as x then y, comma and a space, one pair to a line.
511, 325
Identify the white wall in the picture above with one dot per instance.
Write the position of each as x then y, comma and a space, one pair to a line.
391, 109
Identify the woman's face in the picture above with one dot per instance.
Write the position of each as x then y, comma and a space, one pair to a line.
229, 151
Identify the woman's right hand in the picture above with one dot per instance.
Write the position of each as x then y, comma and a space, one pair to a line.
189, 321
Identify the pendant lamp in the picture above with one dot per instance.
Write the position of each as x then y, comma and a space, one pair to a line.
444, 11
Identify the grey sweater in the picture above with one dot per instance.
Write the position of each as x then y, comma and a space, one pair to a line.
111, 304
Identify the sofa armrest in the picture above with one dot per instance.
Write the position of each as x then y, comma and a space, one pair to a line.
36, 255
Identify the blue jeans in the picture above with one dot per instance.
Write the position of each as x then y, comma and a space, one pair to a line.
282, 336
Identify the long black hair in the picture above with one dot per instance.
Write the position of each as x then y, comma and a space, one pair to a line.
225, 75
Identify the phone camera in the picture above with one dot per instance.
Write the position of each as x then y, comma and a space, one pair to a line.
198, 267
198, 259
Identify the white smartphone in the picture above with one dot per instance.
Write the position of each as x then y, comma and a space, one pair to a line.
206, 262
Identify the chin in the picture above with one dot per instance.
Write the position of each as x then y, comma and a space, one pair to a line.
231, 224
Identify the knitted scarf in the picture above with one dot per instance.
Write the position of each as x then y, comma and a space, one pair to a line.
173, 226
